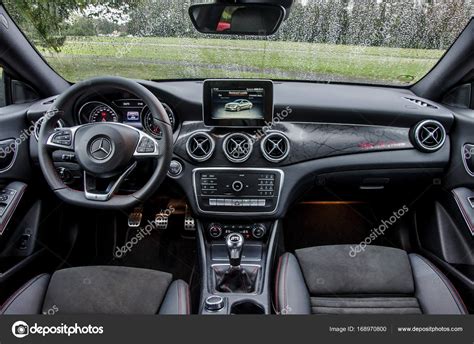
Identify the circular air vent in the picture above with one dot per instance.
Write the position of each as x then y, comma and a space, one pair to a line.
429, 136
38, 123
200, 146
237, 147
275, 147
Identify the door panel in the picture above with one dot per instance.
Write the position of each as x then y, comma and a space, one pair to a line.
15, 133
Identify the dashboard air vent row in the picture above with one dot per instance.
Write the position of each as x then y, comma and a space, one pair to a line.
200, 146
275, 147
429, 136
420, 102
237, 147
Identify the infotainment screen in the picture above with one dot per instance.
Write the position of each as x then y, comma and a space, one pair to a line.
237, 103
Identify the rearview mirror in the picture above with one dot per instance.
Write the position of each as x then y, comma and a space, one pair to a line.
245, 19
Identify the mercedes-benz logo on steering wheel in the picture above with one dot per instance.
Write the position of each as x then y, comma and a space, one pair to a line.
101, 148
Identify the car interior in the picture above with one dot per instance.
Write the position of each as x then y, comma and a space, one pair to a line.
233, 196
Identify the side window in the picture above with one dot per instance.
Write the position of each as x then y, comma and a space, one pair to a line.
2, 89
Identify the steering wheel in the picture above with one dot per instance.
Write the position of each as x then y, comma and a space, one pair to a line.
106, 152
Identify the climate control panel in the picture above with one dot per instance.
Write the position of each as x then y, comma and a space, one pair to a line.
254, 231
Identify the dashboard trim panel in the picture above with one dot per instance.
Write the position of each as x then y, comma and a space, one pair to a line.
309, 141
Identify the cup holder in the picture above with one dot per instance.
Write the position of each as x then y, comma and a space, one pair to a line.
246, 307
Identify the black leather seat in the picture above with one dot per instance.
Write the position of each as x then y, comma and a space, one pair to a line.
101, 290
379, 280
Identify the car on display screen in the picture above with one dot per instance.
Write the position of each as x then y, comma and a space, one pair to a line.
347, 189
239, 105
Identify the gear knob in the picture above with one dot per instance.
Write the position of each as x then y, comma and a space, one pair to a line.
235, 244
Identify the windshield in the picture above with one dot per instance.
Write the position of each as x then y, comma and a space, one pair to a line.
392, 42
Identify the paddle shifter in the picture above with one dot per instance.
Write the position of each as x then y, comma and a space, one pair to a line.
235, 244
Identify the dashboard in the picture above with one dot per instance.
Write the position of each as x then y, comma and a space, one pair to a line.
359, 136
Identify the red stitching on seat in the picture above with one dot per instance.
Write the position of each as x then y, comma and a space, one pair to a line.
457, 298
188, 299
277, 282
284, 282
179, 297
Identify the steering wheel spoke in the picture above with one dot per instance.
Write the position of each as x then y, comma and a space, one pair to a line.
147, 147
62, 138
91, 191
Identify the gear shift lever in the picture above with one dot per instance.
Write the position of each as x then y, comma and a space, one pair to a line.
235, 278
235, 244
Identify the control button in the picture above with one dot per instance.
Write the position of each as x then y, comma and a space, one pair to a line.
214, 303
212, 202
254, 203
68, 157
220, 203
237, 203
62, 137
237, 186
24, 241
146, 145
3, 198
262, 202
175, 168
2, 210
258, 231
215, 230
228, 202
65, 175
10, 192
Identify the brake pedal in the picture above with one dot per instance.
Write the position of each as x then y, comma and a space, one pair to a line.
161, 221
135, 217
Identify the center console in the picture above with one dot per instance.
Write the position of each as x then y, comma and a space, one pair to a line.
236, 258
237, 247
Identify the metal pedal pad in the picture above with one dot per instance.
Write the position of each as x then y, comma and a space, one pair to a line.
161, 221
189, 222
135, 218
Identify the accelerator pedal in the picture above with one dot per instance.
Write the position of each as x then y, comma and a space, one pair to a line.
189, 221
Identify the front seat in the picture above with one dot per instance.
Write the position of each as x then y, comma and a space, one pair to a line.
379, 280
101, 290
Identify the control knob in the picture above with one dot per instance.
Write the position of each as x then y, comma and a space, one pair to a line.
214, 303
258, 231
215, 231
237, 186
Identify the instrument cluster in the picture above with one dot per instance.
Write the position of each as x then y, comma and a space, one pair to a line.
132, 112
